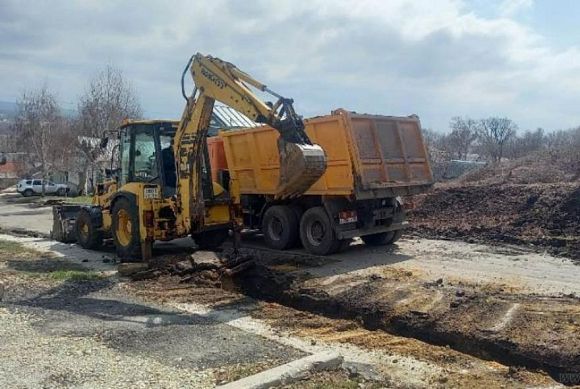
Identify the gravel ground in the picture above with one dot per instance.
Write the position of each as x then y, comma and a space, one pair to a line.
79, 333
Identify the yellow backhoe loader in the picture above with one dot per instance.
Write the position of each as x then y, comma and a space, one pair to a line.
161, 188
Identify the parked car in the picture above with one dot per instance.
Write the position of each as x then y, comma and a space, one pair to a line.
34, 187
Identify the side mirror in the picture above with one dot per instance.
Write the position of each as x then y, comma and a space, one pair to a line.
104, 142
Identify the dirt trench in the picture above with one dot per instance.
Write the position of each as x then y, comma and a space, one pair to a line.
489, 322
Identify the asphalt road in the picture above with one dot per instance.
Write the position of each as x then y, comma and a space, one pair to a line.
18, 212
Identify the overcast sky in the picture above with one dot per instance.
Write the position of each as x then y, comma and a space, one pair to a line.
438, 59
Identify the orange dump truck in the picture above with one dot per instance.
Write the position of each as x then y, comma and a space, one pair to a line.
371, 161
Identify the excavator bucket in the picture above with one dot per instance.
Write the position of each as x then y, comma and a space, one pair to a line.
301, 165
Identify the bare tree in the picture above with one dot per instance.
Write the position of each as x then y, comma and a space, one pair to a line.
463, 134
493, 134
435, 145
530, 141
109, 100
37, 125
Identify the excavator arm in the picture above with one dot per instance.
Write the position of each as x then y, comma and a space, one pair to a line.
301, 162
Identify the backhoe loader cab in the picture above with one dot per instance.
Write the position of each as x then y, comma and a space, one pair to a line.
145, 155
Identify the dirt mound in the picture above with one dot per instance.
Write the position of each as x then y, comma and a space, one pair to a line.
546, 215
539, 167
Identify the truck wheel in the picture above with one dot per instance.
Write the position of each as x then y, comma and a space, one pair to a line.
61, 192
280, 227
88, 235
27, 193
125, 231
316, 232
382, 238
212, 239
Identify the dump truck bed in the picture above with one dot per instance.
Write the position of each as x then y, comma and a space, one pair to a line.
368, 156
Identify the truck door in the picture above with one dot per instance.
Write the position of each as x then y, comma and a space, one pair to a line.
49, 187
37, 186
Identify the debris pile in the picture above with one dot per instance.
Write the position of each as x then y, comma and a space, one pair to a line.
548, 166
545, 215
202, 268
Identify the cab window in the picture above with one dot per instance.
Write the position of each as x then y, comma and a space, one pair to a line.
125, 153
145, 157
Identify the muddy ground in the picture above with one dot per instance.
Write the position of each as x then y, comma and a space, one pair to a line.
396, 361
501, 323
537, 332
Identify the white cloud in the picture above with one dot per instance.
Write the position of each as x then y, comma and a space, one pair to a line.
435, 58
511, 7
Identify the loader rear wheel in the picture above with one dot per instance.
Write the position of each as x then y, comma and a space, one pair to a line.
88, 235
211, 239
280, 227
125, 229
316, 232
382, 238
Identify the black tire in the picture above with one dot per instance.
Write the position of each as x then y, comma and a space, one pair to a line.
61, 192
316, 232
211, 239
280, 227
87, 234
128, 248
382, 238
27, 193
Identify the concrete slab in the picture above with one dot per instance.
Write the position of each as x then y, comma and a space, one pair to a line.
290, 372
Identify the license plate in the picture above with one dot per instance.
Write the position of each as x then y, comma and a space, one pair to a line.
151, 193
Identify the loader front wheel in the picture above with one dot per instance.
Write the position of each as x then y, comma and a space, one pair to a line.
280, 227
316, 232
125, 229
88, 235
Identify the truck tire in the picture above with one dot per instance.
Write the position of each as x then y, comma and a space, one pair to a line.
61, 192
125, 230
382, 238
87, 234
316, 232
212, 239
280, 227
27, 193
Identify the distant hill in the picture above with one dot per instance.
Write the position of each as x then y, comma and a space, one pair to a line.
8, 110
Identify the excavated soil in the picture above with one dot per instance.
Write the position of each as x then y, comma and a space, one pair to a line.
536, 332
543, 215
